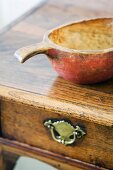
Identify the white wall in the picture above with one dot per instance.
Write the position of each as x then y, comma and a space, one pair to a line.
12, 9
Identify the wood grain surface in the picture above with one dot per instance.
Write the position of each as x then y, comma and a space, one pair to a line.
37, 76
16, 149
24, 122
32, 92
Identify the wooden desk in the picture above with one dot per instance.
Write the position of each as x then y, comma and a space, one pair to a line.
32, 92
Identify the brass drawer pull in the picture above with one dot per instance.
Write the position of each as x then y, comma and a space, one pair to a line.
63, 132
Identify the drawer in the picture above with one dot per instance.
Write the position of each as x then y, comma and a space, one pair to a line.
25, 123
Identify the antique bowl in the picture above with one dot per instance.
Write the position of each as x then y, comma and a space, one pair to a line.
81, 52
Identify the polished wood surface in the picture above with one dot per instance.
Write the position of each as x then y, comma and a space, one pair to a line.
24, 123
94, 102
16, 149
32, 92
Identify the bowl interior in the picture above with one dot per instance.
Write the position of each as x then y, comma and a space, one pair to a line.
96, 34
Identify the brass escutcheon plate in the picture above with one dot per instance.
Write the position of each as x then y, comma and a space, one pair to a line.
63, 132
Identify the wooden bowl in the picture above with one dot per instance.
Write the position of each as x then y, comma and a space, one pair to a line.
81, 52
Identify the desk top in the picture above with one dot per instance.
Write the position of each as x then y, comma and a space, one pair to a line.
35, 82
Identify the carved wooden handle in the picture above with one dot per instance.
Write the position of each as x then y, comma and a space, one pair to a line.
27, 52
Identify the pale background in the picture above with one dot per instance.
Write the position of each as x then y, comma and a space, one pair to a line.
31, 164
12, 9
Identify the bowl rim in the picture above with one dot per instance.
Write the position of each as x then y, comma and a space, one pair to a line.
65, 49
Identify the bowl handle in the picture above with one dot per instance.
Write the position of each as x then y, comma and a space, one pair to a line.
27, 52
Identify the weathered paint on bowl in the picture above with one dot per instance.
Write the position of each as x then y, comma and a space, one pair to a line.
89, 63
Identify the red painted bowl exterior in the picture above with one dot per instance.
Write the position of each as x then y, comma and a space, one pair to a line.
77, 66
82, 68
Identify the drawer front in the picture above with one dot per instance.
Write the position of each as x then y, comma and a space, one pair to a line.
26, 124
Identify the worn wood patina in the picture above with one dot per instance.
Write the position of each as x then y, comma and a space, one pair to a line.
32, 92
